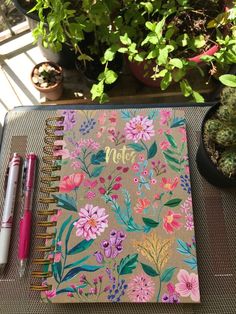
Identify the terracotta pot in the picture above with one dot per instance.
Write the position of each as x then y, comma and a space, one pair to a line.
52, 92
143, 71
205, 165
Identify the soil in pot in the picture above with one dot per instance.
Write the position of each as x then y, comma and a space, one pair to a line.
47, 77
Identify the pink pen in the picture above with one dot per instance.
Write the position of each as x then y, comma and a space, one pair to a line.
25, 222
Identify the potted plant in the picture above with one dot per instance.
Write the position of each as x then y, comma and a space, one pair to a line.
168, 35
47, 78
216, 156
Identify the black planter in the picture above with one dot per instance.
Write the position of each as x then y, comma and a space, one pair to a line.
65, 58
94, 68
205, 165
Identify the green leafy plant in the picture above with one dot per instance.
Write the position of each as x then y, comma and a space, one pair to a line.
161, 35
220, 133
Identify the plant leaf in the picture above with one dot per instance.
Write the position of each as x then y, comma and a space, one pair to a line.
191, 262
149, 270
170, 158
171, 140
167, 274
228, 80
63, 227
96, 171
125, 114
183, 248
75, 271
80, 247
176, 122
152, 151
150, 222
77, 262
173, 203
136, 147
56, 269
65, 201
127, 264
70, 289
99, 157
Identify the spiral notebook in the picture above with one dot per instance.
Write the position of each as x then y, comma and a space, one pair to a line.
117, 193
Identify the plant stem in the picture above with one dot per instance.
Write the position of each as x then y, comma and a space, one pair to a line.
159, 291
144, 145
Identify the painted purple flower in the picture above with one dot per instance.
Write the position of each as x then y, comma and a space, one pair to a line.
99, 257
106, 246
69, 121
113, 237
92, 222
139, 128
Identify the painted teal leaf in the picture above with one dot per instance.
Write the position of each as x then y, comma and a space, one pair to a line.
65, 201
137, 147
153, 114
80, 247
183, 247
149, 270
174, 202
176, 122
68, 234
125, 115
99, 157
97, 171
192, 262
171, 140
168, 274
127, 264
56, 270
152, 151
171, 158
70, 289
82, 260
173, 167
63, 227
75, 271
150, 222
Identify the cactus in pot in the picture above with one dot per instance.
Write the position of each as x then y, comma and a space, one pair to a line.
220, 132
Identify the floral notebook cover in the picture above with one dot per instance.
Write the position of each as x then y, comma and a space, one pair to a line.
124, 223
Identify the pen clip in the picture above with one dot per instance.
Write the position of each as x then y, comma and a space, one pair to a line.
23, 177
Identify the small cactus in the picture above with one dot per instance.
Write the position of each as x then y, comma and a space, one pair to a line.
220, 129
212, 126
227, 163
226, 136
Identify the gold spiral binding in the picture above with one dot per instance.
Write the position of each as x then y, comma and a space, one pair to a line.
50, 165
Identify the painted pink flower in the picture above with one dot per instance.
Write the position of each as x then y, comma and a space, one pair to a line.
62, 152
71, 182
141, 288
139, 128
168, 184
189, 225
186, 206
164, 145
170, 221
57, 257
135, 167
90, 195
50, 293
55, 217
141, 157
141, 205
92, 222
76, 165
165, 116
188, 285
87, 143
187, 169
136, 180
153, 181
145, 173
70, 294
90, 184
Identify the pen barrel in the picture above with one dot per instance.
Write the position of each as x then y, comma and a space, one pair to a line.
5, 237
25, 230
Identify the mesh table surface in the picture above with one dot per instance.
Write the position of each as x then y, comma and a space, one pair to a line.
214, 215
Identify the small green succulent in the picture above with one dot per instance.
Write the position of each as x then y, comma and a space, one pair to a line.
227, 163
226, 136
212, 126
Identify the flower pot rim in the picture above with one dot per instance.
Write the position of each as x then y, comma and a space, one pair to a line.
51, 87
206, 117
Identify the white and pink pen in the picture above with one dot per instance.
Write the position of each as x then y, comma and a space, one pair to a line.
25, 222
8, 210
